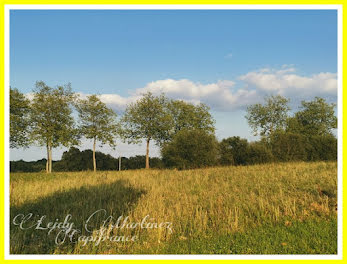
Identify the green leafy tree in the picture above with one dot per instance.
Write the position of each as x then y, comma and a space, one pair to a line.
266, 118
51, 118
190, 149
316, 117
149, 119
322, 147
259, 153
288, 146
188, 116
19, 119
136, 162
76, 160
233, 151
97, 122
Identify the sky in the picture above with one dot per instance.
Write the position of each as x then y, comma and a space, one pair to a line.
227, 59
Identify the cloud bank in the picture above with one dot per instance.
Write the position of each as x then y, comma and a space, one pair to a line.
229, 95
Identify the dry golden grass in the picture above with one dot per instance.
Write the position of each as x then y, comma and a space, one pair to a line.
199, 203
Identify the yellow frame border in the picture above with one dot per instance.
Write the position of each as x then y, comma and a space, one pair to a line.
191, 2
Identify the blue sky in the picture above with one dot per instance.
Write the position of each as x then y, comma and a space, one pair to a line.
225, 58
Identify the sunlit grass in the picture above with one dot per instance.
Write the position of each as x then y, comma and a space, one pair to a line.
230, 210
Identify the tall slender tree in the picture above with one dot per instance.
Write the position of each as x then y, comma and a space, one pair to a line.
148, 119
97, 122
51, 118
19, 119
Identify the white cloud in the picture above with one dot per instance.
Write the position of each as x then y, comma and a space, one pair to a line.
286, 82
115, 101
217, 95
228, 95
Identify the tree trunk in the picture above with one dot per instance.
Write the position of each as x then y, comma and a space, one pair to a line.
50, 159
94, 160
47, 162
147, 154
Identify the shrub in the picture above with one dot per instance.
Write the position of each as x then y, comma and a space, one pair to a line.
259, 153
190, 149
322, 148
288, 146
233, 151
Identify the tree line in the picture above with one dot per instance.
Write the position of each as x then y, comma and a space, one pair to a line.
184, 132
77, 160
47, 120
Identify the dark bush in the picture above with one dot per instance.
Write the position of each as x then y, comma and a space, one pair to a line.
288, 146
321, 148
233, 151
190, 149
259, 153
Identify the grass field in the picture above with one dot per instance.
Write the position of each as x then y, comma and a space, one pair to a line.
287, 208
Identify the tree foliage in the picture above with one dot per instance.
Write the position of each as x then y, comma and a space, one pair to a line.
190, 149
97, 122
321, 147
51, 118
76, 160
287, 146
19, 119
188, 116
259, 152
148, 119
184, 131
269, 117
316, 117
233, 151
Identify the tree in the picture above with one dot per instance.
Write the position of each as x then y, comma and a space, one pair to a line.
71, 160
19, 119
233, 151
316, 117
288, 146
51, 119
76, 160
321, 147
267, 118
188, 116
97, 122
137, 162
190, 149
149, 119
259, 153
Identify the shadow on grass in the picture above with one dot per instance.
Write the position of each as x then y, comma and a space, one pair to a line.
116, 199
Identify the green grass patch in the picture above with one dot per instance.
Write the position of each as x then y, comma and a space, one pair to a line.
307, 237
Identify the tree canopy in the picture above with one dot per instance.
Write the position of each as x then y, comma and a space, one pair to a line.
51, 118
190, 149
184, 131
19, 119
97, 122
316, 117
188, 116
147, 119
266, 118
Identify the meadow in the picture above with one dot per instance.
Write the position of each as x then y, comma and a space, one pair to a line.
279, 208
